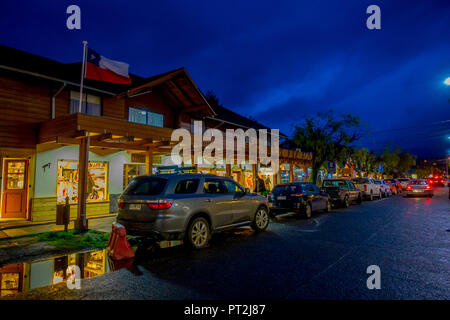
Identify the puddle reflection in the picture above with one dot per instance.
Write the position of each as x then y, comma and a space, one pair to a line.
21, 277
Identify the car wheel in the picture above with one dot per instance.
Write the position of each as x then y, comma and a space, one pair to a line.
197, 235
328, 206
346, 202
261, 220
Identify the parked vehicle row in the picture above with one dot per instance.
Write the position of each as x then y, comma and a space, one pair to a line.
192, 207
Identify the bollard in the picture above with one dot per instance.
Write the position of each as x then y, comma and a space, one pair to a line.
118, 246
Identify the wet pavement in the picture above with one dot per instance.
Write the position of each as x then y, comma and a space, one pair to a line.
325, 257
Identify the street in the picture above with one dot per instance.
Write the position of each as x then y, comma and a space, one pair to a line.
325, 257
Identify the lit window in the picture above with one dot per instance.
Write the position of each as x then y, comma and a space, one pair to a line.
145, 117
67, 181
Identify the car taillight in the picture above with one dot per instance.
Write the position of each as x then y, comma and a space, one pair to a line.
427, 187
297, 194
408, 188
365, 187
121, 204
160, 204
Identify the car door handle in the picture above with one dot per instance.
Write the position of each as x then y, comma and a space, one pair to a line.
208, 200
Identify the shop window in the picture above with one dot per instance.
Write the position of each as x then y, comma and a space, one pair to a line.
91, 104
67, 181
143, 116
130, 171
187, 186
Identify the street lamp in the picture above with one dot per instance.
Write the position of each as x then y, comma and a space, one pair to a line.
447, 81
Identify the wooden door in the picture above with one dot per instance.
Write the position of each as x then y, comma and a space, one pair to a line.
14, 201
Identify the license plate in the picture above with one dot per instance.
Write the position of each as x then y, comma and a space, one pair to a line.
134, 206
417, 190
281, 198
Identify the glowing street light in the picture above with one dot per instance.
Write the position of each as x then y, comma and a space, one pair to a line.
447, 81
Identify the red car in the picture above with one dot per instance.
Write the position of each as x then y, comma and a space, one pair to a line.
436, 181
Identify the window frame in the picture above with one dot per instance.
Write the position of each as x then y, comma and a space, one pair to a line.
214, 180
85, 99
147, 113
241, 188
197, 180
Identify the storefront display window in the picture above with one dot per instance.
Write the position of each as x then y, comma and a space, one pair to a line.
130, 171
67, 181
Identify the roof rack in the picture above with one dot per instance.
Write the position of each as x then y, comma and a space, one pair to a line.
174, 169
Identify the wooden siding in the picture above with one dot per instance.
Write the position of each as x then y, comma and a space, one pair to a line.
114, 107
22, 107
44, 209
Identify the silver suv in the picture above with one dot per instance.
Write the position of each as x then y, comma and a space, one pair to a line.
189, 207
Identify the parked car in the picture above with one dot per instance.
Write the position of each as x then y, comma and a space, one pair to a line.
436, 181
404, 182
368, 188
342, 192
299, 197
396, 185
189, 207
384, 188
419, 187
391, 186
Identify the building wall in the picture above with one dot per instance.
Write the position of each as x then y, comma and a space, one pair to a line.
44, 199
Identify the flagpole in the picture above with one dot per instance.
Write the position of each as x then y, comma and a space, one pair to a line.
83, 69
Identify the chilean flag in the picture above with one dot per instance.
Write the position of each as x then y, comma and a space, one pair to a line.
103, 69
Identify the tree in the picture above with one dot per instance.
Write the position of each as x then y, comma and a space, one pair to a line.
327, 137
360, 158
406, 162
365, 161
212, 99
390, 160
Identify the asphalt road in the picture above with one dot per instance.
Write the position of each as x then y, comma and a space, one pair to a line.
325, 257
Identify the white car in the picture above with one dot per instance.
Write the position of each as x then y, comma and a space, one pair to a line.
368, 187
404, 182
384, 188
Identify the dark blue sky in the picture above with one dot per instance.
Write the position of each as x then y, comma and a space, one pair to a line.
274, 60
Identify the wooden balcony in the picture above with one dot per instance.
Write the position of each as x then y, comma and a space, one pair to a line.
114, 133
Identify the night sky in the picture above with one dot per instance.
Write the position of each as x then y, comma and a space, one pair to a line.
277, 61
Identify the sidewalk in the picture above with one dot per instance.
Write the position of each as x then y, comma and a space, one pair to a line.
100, 224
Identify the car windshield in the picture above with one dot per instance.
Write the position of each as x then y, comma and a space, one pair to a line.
334, 183
148, 186
403, 179
419, 182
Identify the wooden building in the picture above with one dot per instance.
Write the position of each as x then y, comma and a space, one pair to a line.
126, 128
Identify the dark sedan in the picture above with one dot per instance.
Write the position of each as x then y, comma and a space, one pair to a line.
299, 197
